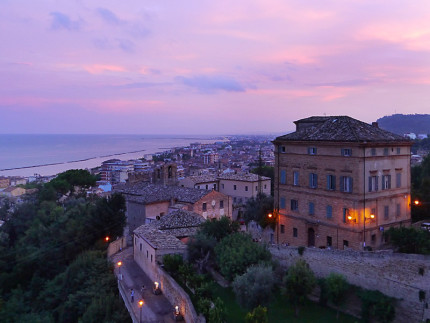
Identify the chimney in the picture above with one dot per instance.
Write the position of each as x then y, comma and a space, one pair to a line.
375, 124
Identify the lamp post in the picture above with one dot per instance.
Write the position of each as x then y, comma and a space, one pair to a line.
119, 263
140, 306
107, 238
275, 216
369, 218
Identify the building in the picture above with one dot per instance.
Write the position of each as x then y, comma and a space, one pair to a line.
168, 235
4, 182
13, 191
340, 182
240, 187
148, 203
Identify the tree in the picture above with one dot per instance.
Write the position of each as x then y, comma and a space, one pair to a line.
337, 286
236, 252
219, 228
255, 286
409, 240
217, 312
258, 315
298, 283
257, 209
420, 178
201, 250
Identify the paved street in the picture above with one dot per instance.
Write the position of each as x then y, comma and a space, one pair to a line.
156, 308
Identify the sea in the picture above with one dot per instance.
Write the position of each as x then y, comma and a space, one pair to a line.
29, 154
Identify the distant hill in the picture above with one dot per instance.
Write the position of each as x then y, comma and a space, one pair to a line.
404, 123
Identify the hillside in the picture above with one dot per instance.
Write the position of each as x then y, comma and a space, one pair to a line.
404, 123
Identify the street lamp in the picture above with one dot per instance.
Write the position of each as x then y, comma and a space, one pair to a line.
119, 263
107, 238
140, 305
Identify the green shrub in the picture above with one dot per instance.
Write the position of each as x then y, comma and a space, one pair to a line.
172, 262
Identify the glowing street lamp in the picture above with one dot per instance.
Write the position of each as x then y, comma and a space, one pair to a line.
177, 314
107, 238
119, 263
156, 289
416, 202
140, 306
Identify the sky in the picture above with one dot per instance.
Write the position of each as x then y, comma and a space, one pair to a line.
208, 67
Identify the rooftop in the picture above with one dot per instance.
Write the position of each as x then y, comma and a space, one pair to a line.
248, 177
150, 193
339, 128
159, 239
180, 223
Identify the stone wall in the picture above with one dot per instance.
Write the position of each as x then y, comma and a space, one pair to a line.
177, 296
401, 276
116, 246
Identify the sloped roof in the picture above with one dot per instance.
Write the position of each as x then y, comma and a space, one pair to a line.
149, 193
180, 223
339, 128
159, 239
248, 177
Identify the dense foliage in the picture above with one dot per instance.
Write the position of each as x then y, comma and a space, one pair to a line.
298, 283
258, 315
409, 240
53, 261
336, 286
236, 252
375, 305
420, 177
254, 287
258, 209
268, 171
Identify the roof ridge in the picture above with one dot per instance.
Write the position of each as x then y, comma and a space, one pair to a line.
348, 121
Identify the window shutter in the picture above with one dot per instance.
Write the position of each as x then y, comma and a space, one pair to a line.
350, 185
328, 182
316, 181
310, 180
370, 183
342, 187
283, 176
382, 182
389, 181
376, 183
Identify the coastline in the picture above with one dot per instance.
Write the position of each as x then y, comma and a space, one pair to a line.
50, 169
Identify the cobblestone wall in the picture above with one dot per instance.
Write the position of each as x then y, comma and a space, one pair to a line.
397, 275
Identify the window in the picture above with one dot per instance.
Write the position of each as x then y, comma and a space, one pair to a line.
135, 240
246, 188
294, 205
386, 212
221, 204
234, 187
346, 184
329, 212
331, 182
345, 243
398, 180
345, 213
373, 151
313, 180
373, 238
397, 210
151, 258
346, 152
373, 183
282, 228
296, 178
207, 186
198, 186
282, 203
222, 185
281, 149
329, 241
140, 247
265, 186
214, 187
398, 150
204, 207
311, 208
234, 199
385, 151
312, 151
386, 182
283, 177
147, 255
295, 233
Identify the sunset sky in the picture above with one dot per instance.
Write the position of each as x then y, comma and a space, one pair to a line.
208, 67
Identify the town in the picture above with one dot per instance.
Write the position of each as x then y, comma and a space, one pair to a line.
211, 231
